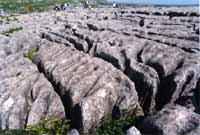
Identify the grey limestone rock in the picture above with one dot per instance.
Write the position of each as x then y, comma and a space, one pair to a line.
74, 132
173, 120
91, 88
133, 131
26, 96
100, 63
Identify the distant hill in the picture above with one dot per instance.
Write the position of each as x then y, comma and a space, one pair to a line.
17, 6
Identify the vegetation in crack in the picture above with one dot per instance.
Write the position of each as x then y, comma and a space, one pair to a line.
31, 54
16, 132
8, 19
51, 126
10, 31
114, 126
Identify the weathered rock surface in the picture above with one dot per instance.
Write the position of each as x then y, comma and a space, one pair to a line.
183, 83
90, 91
133, 131
101, 63
138, 51
25, 95
174, 120
73, 132
147, 83
198, 94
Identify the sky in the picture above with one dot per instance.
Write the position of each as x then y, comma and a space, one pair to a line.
160, 2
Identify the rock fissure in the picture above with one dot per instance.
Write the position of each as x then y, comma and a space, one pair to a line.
90, 66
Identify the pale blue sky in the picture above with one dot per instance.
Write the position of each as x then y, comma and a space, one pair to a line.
160, 2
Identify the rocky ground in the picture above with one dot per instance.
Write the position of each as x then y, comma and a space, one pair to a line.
93, 64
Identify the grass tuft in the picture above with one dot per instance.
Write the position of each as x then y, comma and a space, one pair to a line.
31, 54
16, 132
115, 126
12, 30
51, 126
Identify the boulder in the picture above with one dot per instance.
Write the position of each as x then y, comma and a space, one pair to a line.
164, 59
173, 120
73, 132
147, 83
133, 131
91, 92
184, 85
26, 96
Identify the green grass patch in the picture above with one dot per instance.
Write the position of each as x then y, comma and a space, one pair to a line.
14, 6
31, 54
52, 126
7, 20
10, 31
17, 132
115, 126
61, 126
